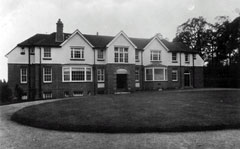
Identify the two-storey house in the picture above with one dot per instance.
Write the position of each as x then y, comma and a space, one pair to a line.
62, 64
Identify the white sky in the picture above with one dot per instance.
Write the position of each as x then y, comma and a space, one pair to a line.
21, 19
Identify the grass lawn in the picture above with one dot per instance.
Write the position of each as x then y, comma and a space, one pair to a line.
138, 112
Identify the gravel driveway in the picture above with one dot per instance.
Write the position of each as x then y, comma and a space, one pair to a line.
13, 135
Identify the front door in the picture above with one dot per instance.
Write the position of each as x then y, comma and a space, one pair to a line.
122, 82
186, 79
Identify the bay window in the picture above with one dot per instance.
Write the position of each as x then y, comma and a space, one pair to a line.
156, 74
77, 74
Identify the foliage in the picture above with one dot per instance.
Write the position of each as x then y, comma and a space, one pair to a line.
5, 91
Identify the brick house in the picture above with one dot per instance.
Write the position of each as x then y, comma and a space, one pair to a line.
60, 64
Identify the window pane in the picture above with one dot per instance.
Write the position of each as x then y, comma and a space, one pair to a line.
149, 74
66, 74
78, 74
158, 74
88, 73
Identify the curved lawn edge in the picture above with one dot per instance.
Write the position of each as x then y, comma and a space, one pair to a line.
109, 129
142, 124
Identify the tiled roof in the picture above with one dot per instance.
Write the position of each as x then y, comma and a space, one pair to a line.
100, 41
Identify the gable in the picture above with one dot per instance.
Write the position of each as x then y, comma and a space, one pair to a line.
156, 44
77, 32
121, 38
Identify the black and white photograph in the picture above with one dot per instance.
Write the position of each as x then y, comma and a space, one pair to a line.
120, 74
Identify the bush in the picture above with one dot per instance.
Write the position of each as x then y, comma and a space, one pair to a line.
5, 92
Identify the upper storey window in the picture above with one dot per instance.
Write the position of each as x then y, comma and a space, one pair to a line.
77, 53
121, 54
174, 57
100, 55
47, 52
186, 58
136, 56
155, 55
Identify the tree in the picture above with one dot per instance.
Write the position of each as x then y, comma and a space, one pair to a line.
194, 33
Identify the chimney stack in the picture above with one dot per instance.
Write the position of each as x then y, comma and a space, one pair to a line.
59, 33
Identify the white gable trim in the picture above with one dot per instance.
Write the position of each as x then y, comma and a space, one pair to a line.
73, 34
10, 51
156, 37
121, 33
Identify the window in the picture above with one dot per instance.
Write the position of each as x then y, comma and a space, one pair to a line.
47, 95
47, 75
174, 57
155, 56
77, 53
156, 74
66, 74
174, 75
32, 51
77, 74
137, 56
121, 55
186, 58
23, 75
77, 93
100, 75
194, 56
100, 55
149, 74
47, 52
137, 75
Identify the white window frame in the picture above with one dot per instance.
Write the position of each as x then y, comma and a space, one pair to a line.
44, 75
47, 95
137, 56
100, 75
165, 77
187, 58
77, 49
23, 75
176, 73
137, 75
174, 57
70, 73
77, 93
156, 53
100, 54
47, 52
194, 56
118, 51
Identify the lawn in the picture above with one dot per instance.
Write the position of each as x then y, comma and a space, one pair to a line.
167, 111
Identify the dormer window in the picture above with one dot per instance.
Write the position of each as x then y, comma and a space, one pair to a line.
32, 51
136, 56
100, 55
194, 56
174, 57
186, 58
77, 53
155, 55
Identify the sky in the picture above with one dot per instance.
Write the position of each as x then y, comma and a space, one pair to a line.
21, 19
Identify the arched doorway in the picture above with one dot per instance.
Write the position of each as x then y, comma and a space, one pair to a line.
121, 79
187, 78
